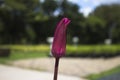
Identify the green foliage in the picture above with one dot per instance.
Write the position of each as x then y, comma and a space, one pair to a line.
36, 51
93, 31
110, 14
103, 74
1, 28
49, 6
13, 4
28, 48
91, 49
17, 15
93, 21
80, 49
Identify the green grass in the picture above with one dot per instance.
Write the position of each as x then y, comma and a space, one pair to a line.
103, 74
94, 48
70, 48
33, 51
25, 52
16, 55
93, 51
36, 48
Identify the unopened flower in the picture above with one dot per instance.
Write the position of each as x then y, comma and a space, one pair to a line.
59, 41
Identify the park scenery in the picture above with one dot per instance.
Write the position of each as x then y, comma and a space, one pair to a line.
59, 40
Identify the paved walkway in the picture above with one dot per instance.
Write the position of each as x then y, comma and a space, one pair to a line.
71, 66
13, 73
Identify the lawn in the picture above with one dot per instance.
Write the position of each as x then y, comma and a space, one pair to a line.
16, 55
38, 51
104, 74
33, 51
94, 50
70, 48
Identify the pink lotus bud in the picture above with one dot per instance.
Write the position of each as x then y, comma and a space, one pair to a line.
59, 41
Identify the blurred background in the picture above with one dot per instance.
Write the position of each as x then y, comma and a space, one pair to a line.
32, 21
27, 28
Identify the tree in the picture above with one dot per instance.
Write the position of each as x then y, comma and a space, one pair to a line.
32, 21
15, 15
49, 7
110, 13
93, 31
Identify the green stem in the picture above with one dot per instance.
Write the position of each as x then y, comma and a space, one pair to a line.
56, 68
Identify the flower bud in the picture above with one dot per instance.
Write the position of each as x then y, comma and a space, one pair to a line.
59, 41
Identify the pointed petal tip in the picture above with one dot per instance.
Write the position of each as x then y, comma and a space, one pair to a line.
66, 20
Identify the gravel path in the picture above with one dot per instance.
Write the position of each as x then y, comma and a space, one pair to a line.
13, 73
71, 66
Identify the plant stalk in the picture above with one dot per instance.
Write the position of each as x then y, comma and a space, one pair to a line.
56, 68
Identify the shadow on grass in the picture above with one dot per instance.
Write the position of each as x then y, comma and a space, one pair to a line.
93, 55
113, 74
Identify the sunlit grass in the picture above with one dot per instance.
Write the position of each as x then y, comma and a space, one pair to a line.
33, 51
36, 48
94, 48
16, 55
70, 48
